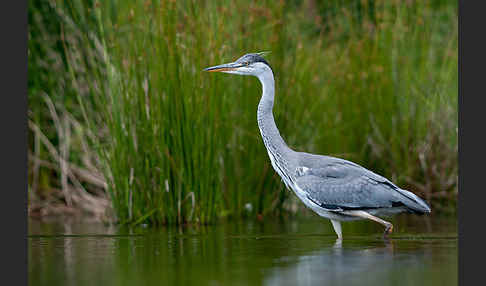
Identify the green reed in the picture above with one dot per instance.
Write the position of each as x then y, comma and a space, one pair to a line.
375, 83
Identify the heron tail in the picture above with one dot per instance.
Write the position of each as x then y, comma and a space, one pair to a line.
414, 203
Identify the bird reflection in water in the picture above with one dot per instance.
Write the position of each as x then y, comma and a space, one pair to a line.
342, 265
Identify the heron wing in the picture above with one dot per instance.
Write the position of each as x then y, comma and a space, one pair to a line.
341, 185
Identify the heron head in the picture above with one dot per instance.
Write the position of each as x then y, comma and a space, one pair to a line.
249, 64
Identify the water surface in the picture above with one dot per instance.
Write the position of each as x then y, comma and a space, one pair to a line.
303, 251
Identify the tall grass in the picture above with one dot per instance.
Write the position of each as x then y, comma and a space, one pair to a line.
370, 81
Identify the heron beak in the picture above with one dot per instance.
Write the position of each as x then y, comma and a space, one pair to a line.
224, 67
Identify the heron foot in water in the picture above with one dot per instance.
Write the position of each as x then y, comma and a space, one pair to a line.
388, 230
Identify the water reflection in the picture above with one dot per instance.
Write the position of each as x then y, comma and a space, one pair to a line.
296, 252
337, 266
371, 262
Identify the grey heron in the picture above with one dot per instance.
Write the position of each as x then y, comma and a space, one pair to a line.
334, 188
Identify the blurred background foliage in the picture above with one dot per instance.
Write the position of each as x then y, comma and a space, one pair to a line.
124, 125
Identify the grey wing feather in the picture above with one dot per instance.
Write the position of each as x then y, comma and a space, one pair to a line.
340, 186
337, 184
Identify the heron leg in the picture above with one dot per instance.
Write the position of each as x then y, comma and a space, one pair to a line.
337, 228
363, 214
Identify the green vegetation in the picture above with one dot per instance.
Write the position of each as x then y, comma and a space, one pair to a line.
374, 82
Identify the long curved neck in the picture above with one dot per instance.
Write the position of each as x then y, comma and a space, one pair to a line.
268, 129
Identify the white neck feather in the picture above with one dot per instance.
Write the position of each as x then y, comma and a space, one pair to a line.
268, 129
